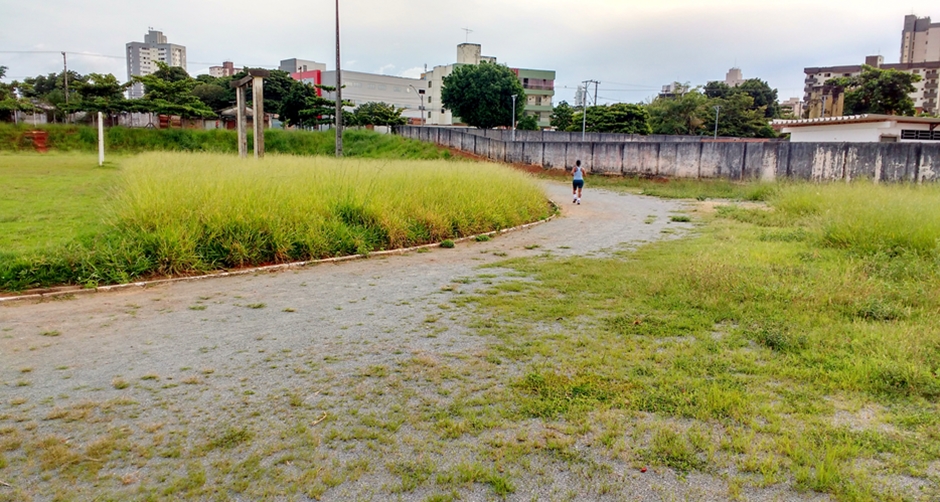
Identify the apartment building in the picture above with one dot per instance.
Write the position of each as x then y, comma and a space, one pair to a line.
226, 70
920, 40
142, 58
920, 55
821, 100
539, 87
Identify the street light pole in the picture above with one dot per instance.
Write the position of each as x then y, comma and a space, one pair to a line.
717, 111
420, 93
514, 117
339, 93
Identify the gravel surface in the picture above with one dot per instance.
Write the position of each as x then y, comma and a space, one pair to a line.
301, 359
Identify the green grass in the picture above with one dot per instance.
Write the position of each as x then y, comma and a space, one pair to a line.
356, 143
688, 188
764, 328
173, 213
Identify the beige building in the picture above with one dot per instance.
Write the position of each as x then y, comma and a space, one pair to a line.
819, 99
734, 77
920, 40
226, 70
539, 86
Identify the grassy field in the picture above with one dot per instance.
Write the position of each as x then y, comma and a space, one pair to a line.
356, 143
64, 221
796, 345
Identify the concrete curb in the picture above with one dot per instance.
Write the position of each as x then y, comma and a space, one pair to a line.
268, 268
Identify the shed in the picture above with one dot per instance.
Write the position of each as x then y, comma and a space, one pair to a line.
869, 128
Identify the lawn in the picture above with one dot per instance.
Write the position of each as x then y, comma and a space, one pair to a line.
793, 345
66, 221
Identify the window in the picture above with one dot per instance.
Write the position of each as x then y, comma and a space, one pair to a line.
919, 135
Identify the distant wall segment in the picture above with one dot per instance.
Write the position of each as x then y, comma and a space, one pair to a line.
694, 156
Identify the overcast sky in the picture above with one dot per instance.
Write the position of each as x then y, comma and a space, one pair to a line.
631, 47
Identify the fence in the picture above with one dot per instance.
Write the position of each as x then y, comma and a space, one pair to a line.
693, 156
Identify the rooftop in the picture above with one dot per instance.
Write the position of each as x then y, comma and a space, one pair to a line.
854, 119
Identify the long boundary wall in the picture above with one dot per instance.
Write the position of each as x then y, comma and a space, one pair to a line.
694, 157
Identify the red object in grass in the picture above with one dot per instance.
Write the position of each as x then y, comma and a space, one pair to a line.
643, 469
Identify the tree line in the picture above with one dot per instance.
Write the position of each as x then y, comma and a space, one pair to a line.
481, 96
172, 91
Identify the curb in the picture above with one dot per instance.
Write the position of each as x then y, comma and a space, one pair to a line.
267, 268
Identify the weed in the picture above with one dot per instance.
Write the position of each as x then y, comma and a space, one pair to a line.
119, 383
680, 218
256, 305
197, 307
482, 238
50, 333
447, 244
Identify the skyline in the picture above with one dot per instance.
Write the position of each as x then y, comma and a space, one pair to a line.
632, 48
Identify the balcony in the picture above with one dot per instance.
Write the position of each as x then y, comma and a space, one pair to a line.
539, 87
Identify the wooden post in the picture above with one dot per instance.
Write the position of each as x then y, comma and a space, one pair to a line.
100, 140
257, 97
240, 122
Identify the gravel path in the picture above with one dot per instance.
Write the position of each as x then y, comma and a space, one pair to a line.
185, 367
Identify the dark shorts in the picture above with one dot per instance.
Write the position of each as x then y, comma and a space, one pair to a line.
577, 183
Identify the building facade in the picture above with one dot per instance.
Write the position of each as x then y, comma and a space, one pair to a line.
920, 55
142, 58
360, 88
539, 86
734, 77
821, 100
226, 70
920, 40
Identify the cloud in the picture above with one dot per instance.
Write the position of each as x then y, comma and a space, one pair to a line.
412, 72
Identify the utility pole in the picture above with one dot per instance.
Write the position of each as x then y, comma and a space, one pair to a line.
717, 111
339, 93
513, 117
65, 74
585, 103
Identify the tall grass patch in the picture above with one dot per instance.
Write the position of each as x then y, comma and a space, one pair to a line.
176, 213
867, 218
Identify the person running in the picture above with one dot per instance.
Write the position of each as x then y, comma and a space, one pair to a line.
578, 172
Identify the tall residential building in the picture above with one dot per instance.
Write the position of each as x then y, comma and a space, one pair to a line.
226, 70
142, 58
539, 86
821, 100
920, 55
920, 40
734, 77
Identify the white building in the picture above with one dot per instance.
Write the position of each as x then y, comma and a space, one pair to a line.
360, 88
869, 128
142, 58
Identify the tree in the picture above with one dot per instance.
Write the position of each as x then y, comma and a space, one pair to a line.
377, 114
685, 114
562, 116
737, 117
764, 96
165, 93
621, 118
213, 95
481, 94
101, 93
528, 123
9, 101
878, 91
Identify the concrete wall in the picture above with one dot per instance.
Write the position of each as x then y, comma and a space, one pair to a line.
888, 162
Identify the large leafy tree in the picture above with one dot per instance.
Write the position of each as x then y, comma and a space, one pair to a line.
377, 114
763, 96
684, 114
528, 123
562, 116
621, 118
481, 94
102, 93
737, 117
878, 91
166, 93
9, 101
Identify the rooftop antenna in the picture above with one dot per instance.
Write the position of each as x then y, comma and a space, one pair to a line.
469, 31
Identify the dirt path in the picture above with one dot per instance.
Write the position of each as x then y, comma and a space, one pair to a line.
329, 381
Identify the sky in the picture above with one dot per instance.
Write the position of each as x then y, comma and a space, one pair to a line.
632, 48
